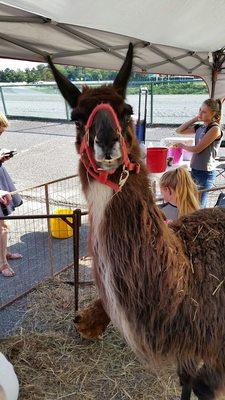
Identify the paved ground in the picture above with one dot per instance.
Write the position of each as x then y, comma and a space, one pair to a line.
46, 150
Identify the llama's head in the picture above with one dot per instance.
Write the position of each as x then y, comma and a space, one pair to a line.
103, 126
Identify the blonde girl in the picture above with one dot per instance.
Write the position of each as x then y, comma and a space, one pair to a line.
208, 137
179, 192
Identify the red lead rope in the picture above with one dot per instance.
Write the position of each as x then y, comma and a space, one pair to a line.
90, 165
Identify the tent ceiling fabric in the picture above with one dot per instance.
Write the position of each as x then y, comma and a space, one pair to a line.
171, 37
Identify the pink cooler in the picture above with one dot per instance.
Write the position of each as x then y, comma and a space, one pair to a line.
176, 153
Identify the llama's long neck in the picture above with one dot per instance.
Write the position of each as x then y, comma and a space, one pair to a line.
98, 197
136, 260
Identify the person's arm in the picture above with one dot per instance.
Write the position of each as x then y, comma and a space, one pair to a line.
4, 158
187, 128
213, 134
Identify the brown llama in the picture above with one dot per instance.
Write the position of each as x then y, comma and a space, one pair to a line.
163, 288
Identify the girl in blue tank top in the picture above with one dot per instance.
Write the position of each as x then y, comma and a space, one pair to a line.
208, 137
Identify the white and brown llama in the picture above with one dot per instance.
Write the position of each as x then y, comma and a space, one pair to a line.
163, 288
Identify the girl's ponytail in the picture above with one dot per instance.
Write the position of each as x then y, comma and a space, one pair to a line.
187, 196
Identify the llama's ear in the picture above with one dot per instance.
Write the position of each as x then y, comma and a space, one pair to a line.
122, 78
69, 91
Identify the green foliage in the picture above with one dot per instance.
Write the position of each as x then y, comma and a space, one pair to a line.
9, 75
173, 88
43, 74
181, 88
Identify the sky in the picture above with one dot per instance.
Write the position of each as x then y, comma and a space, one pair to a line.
16, 64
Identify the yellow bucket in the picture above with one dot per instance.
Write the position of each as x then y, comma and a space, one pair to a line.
59, 228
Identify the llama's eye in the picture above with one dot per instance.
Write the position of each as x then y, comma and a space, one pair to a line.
126, 114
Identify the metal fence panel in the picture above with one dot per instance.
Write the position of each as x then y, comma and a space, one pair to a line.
45, 101
43, 254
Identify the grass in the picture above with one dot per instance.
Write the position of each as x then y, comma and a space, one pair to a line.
167, 88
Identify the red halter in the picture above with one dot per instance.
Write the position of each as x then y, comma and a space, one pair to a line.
90, 164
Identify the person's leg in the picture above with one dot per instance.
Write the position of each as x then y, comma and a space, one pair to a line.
3, 242
5, 269
204, 180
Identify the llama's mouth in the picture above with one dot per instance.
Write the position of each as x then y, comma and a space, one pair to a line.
108, 165
109, 158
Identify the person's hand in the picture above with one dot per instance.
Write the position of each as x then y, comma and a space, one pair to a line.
5, 197
4, 158
197, 118
181, 145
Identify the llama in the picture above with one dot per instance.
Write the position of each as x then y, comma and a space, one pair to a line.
163, 288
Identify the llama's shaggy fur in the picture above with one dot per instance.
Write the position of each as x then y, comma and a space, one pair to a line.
162, 286
166, 291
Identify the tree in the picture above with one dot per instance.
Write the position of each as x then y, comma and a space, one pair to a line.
43, 73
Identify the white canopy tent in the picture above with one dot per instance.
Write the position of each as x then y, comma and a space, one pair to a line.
171, 36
